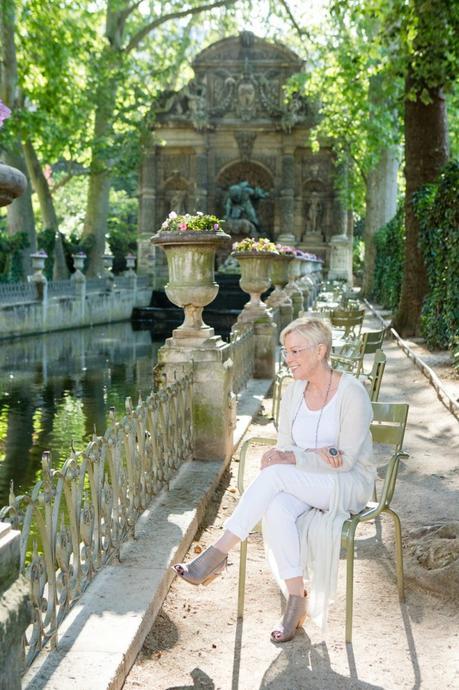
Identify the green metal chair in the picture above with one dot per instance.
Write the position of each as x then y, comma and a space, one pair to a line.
283, 376
387, 427
370, 342
375, 376
348, 320
352, 353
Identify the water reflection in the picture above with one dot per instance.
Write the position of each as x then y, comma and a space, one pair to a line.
56, 390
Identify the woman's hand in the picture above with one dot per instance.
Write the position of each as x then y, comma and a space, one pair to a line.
334, 461
273, 456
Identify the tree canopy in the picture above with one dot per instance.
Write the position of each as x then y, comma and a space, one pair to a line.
82, 77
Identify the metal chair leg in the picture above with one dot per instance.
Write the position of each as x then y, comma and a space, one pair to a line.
242, 573
349, 587
398, 554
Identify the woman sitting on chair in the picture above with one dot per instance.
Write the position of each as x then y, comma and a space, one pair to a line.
320, 469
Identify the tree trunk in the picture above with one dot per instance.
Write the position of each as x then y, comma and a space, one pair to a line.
426, 152
95, 225
381, 206
40, 186
20, 216
20, 212
97, 207
48, 212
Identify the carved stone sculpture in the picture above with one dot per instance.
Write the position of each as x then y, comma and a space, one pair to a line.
314, 214
239, 204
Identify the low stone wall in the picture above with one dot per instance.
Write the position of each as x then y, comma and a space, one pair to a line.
57, 313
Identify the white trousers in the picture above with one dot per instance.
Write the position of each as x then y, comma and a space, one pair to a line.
280, 494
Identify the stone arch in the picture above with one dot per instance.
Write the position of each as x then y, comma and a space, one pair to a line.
257, 175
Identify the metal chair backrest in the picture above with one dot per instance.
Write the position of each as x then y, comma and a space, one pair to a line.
389, 423
370, 341
376, 374
388, 427
348, 319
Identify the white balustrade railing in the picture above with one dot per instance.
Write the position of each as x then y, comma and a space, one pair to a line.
143, 281
123, 282
77, 516
96, 284
17, 293
61, 288
242, 342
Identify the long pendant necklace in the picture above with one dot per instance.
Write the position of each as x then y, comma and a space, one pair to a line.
321, 409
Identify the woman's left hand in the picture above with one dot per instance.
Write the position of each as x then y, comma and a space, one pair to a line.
273, 456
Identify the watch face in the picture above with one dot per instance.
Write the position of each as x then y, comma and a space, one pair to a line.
333, 451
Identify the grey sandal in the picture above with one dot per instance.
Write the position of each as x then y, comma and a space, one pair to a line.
293, 618
203, 569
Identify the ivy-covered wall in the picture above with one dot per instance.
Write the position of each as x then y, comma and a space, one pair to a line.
437, 207
390, 251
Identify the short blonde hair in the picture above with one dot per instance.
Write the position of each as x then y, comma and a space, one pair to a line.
315, 331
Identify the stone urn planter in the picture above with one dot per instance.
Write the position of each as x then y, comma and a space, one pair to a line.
279, 278
255, 279
292, 288
191, 285
12, 184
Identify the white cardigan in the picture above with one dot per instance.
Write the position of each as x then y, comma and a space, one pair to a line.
320, 532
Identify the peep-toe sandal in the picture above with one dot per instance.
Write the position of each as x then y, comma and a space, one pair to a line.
203, 569
293, 618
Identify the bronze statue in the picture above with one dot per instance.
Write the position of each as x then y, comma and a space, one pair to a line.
239, 204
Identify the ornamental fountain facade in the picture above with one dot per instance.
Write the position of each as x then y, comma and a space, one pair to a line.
228, 126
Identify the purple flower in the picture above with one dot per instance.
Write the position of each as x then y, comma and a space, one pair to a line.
5, 112
216, 226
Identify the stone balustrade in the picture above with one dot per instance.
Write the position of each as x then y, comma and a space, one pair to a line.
243, 355
41, 306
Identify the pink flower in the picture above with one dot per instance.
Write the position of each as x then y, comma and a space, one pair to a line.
183, 226
5, 112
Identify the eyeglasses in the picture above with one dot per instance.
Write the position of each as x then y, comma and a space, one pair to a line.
294, 351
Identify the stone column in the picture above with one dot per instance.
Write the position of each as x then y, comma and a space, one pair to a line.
148, 221
287, 198
131, 274
15, 609
37, 278
202, 175
79, 280
213, 401
340, 258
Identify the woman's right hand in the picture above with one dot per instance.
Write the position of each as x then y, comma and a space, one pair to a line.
335, 461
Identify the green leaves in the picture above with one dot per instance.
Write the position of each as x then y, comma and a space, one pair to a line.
438, 212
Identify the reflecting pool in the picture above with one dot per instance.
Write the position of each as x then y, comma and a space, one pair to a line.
56, 389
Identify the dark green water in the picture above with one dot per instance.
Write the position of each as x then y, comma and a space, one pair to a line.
56, 389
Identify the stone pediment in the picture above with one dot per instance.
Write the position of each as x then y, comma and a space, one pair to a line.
239, 78
236, 50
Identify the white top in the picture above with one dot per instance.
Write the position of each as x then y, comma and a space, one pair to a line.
320, 531
316, 428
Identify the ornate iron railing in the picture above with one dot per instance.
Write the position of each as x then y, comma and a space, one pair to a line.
16, 293
61, 288
96, 284
77, 517
143, 281
123, 282
242, 342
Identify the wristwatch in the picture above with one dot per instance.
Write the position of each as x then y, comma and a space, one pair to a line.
333, 451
